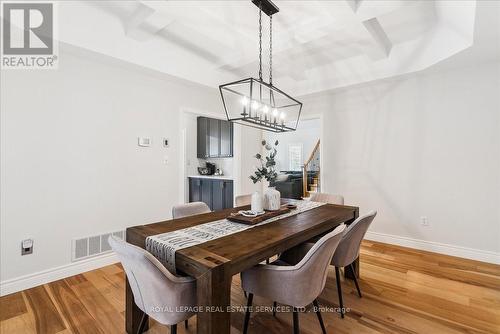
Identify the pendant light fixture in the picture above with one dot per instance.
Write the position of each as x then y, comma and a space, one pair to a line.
256, 103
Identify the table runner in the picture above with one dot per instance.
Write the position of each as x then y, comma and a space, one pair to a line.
163, 246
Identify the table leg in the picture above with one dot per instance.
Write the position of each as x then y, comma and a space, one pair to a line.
214, 296
133, 314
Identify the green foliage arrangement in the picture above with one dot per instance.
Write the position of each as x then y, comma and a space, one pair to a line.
267, 169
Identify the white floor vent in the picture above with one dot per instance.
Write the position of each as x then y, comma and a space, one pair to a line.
83, 248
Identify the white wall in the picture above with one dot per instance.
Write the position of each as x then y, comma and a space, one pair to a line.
70, 164
424, 145
248, 140
307, 134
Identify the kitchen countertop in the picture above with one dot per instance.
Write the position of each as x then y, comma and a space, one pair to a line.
219, 177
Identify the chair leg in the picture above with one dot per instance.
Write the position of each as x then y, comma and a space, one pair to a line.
274, 308
142, 323
318, 313
186, 324
356, 281
247, 314
339, 291
296, 327
173, 329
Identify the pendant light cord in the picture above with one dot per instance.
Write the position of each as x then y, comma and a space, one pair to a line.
260, 41
270, 45
271, 50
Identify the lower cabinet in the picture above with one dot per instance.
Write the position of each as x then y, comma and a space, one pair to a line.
216, 193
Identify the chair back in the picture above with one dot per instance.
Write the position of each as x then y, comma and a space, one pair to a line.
243, 200
348, 249
327, 198
189, 209
313, 268
157, 292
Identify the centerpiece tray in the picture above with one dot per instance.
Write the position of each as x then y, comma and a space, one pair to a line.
239, 218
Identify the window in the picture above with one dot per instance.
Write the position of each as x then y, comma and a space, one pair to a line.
295, 156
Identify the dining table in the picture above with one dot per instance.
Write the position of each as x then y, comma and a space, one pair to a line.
213, 263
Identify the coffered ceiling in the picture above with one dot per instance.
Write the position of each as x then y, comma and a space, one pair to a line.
318, 45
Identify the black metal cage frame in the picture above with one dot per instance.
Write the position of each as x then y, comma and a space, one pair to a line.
254, 121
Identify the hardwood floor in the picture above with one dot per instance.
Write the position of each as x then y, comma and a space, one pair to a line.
404, 291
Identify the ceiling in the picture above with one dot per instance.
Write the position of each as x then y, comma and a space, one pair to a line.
318, 45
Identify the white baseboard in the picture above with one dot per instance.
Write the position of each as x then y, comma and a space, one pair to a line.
54, 274
436, 247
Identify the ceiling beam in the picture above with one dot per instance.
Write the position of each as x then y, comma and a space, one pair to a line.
354, 4
145, 22
382, 44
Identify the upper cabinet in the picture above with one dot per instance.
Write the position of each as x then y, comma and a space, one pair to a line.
215, 138
226, 139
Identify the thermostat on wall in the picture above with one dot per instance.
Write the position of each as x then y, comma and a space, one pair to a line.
144, 141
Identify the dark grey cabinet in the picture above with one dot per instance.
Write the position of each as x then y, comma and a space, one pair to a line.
215, 138
202, 138
226, 139
216, 193
200, 190
222, 194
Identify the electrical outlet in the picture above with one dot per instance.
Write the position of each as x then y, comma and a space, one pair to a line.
26, 246
424, 221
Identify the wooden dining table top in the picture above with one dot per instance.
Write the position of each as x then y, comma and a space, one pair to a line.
214, 262
255, 244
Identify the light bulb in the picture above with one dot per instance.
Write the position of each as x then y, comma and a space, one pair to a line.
244, 100
275, 112
282, 115
255, 105
265, 109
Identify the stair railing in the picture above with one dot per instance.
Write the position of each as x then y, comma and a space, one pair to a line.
311, 164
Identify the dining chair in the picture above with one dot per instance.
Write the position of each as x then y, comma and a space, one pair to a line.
157, 292
324, 198
327, 198
295, 285
243, 200
189, 209
345, 254
348, 251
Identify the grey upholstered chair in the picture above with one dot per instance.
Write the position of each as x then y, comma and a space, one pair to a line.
345, 254
243, 200
157, 292
295, 285
327, 198
348, 250
189, 209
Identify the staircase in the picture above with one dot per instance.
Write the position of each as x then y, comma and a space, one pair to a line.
314, 185
311, 172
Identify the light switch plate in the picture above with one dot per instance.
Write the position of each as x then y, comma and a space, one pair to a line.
144, 141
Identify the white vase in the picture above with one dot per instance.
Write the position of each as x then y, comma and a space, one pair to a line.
256, 204
272, 199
